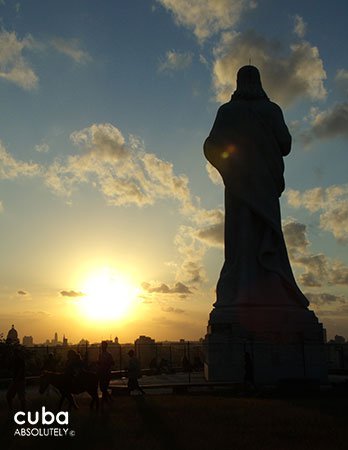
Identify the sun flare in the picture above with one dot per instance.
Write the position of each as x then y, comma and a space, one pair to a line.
108, 295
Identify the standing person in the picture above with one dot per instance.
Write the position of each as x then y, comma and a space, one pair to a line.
50, 363
248, 372
105, 362
134, 373
72, 369
17, 386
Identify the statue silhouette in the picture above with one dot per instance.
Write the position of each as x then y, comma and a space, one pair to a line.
247, 144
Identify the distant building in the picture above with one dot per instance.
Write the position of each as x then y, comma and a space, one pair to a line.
325, 335
28, 341
12, 336
339, 339
146, 350
55, 340
116, 340
65, 341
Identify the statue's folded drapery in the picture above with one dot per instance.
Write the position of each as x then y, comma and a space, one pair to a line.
247, 143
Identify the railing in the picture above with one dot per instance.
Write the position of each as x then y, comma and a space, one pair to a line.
155, 358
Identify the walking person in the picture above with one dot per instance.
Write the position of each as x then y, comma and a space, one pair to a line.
134, 373
105, 362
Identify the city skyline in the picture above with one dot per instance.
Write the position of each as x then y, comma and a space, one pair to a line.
112, 221
14, 337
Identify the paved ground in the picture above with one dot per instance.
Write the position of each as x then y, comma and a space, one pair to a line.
196, 421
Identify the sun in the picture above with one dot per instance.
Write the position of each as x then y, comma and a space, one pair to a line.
108, 295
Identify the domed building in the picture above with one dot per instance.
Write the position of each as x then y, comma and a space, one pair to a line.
12, 336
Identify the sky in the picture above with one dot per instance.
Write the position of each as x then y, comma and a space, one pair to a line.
111, 219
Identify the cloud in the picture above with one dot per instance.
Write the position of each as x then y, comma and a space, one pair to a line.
338, 274
341, 79
72, 294
300, 26
287, 74
71, 48
331, 202
104, 140
335, 220
213, 174
178, 288
1, 207
125, 174
11, 168
42, 148
193, 242
122, 171
311, 199
13, 65
324, 298
21, 292
317, 269
295, 237
205, 17
170, 309
328, 124
212, 234
321, 271
175, 61
192, 251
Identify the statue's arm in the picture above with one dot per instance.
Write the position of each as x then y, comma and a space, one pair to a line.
216, 141
281, 131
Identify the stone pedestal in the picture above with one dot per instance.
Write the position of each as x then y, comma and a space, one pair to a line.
283, 342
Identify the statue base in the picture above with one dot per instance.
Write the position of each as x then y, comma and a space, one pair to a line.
282, 342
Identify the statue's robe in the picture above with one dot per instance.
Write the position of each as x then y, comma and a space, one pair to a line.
247, 144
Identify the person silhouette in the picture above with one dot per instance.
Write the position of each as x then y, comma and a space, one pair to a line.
133, 373
247, 143
17, 385
50, 363
105, 362
248, 372
73, 368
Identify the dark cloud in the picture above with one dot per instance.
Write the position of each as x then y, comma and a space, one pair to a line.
332, 204
170, 309
309, 279
299, 67
212, 235
316, 267
338, 274
22, 292
295, 237
331, 123
342, 80
72, 294
178, 288
194, 271
324, 298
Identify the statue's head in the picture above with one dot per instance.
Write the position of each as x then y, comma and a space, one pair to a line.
249, 84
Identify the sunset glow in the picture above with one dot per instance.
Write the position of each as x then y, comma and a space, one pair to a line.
108, 295
112, 220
